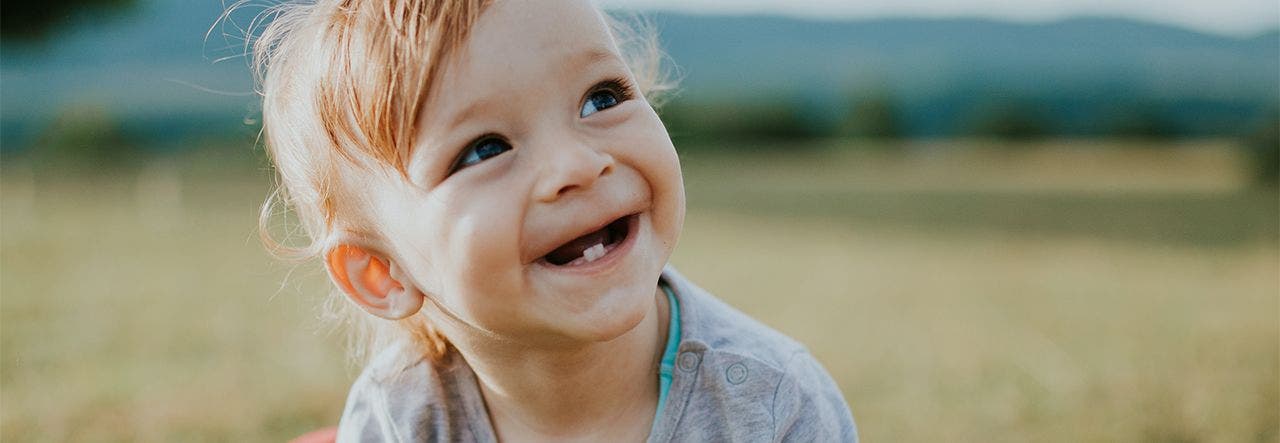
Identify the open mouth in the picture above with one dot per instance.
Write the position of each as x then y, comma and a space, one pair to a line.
592, 246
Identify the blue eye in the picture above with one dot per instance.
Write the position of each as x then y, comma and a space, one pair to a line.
606, 95
482, 150
598, 101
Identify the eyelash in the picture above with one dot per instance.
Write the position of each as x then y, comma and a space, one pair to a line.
618, 85
461, 161
619, 91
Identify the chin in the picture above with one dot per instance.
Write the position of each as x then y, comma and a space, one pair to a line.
622, 320
608, 315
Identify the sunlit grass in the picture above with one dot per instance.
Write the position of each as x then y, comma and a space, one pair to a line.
950, 302
939, 337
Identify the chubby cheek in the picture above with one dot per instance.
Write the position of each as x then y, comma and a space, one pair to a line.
478, 255
673, 192
653, 150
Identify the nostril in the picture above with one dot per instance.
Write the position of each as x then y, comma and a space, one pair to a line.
565, 190
609, 162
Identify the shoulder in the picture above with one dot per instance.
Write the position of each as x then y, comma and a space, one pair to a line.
750, 376
402, 396
808, 405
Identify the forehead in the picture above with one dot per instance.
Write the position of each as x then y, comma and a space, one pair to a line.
517, 46
535, 22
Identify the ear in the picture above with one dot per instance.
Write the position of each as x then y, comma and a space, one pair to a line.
372, 282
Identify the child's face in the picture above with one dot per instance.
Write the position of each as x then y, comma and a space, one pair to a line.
532, 139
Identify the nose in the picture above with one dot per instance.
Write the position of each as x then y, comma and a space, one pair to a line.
569, 167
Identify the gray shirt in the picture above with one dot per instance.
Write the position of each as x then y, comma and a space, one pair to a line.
735, 380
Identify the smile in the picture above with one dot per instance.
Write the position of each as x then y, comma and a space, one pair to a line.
594, 246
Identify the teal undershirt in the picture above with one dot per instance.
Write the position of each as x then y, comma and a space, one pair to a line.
669, 355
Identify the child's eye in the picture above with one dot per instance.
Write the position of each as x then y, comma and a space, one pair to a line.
487, 147
606, 95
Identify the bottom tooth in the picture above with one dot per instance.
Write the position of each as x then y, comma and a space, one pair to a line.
594, 253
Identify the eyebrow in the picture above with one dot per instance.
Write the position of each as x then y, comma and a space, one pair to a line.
593, 55
590, 56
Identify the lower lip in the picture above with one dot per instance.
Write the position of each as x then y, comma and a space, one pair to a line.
603, 263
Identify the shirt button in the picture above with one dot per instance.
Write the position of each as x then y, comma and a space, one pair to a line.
688, 361
737, 373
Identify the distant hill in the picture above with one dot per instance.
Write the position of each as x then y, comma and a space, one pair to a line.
927, 57
153, 70
939, 69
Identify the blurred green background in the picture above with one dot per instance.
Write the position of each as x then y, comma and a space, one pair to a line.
1057, 231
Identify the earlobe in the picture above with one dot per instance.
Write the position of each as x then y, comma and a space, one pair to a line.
368, 280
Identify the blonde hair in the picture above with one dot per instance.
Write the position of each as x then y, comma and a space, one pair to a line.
343, 83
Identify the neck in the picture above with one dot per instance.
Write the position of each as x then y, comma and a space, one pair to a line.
571, 391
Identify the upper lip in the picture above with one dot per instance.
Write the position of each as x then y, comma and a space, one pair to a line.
578, 230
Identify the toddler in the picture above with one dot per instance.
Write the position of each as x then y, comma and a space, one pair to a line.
491, 183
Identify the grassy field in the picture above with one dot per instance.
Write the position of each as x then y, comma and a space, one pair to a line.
1083, 292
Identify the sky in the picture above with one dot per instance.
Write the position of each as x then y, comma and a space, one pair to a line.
1232, 17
